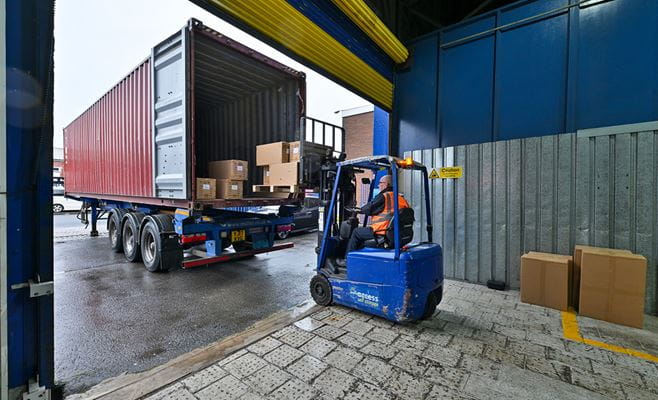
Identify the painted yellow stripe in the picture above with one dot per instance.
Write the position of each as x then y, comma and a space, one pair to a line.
283, 23
363, 16
572, 332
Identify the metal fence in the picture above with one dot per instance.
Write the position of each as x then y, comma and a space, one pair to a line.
597, 187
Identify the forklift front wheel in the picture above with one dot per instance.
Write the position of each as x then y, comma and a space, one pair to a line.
430, 305
321, 290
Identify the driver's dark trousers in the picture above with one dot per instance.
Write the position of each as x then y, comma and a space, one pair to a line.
359, 236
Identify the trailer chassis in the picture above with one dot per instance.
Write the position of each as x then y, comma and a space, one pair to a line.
165, 238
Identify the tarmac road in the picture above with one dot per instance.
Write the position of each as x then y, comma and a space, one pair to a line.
112, 316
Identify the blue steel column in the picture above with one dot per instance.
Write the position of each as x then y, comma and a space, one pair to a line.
29, 127
381, 139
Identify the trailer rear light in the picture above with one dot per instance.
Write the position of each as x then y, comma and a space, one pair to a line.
284, 228
197, 237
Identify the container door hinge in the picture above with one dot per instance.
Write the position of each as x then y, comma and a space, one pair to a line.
37, 289
36, 392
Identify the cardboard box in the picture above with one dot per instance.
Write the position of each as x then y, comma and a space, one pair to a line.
575, 280
228, 169
266, 175
272, 153
206, 188
612, 286
309, 148
284, 174
229, 189
546, 279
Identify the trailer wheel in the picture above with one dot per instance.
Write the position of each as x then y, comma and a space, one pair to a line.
114, 232
321, 290
151, 247
130, 238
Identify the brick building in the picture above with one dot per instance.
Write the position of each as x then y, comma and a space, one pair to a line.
358, 123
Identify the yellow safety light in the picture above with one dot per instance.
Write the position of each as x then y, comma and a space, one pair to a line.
407, 162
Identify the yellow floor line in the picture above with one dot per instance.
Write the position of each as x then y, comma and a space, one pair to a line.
571, 332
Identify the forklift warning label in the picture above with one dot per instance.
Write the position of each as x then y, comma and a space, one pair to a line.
447, 173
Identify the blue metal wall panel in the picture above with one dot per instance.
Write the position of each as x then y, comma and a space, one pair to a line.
416, 112
29, 52
618, 63
380, 132
466, 93
533, 68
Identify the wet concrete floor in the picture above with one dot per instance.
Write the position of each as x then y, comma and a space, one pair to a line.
112, 316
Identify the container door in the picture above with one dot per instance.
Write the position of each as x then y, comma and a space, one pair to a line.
170, 117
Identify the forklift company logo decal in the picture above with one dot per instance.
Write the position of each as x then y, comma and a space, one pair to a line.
365, 298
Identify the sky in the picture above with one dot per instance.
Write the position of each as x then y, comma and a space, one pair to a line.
97, 43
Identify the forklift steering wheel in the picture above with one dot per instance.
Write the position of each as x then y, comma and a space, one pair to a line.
353, 209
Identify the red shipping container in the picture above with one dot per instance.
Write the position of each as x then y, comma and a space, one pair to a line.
199, 97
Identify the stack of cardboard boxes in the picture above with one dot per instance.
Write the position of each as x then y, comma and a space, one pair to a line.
225, 182
280, 162
606, 284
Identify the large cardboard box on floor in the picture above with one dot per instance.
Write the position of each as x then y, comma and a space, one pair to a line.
272, 153
229, 189
546, 279
575, 281
284, 174
205, 188
228, 169
612, 286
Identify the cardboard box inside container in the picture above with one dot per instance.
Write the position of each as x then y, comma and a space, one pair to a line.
546, 279
612, 286
272, 153
284, 174
228, 169
309, 148
206, 188
229, 189
266, 175
575, 280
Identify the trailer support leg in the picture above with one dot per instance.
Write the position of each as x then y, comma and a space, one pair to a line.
94, 219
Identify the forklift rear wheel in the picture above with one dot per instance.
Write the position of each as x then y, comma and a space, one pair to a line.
151, 247
114, 232
430, 306
321, 290
129, 235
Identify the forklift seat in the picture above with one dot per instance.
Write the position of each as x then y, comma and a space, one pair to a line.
387, 240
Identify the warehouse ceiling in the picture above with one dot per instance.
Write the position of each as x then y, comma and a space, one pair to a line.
356, 43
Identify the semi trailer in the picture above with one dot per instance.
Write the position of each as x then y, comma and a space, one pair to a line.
133, 157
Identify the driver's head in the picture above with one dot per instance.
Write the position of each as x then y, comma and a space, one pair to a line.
385, 182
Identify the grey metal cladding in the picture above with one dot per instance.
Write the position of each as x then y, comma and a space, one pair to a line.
596, 187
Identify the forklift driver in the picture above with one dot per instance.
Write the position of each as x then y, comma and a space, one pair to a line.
381, 211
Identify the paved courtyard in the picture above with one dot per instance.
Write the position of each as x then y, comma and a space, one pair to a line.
480, 344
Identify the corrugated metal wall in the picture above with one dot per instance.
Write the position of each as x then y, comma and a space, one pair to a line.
108, 148
596, 187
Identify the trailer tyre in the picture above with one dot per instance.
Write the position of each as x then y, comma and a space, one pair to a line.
114, 232
151, 247
130, 237
321, 290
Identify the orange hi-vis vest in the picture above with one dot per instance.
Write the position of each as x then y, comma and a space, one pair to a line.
380, 222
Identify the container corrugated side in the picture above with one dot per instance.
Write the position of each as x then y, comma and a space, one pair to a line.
108, 148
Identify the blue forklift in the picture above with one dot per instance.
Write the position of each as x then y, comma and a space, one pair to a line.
391, 277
